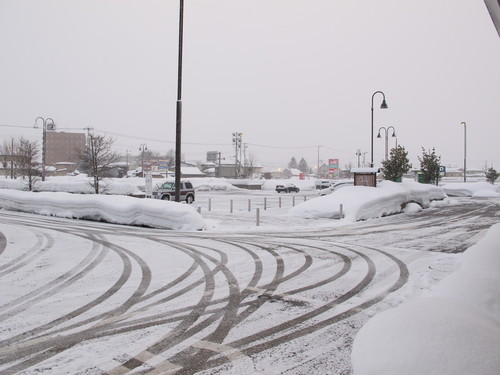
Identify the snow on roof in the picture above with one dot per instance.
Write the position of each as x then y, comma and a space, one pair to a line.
364, 170
191, 171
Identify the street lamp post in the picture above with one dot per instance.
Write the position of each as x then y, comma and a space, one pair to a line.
178, 121
465, 150
142, 148
382, 106
45, 123
386, 130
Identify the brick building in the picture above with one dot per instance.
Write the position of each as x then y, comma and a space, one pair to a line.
63, 147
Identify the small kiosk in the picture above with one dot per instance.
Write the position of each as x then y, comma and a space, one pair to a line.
365, 176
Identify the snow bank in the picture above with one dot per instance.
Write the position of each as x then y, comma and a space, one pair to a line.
360, 202
79, 184
471, 189
454, 330
110, 208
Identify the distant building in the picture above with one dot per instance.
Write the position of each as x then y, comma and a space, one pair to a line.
61, 147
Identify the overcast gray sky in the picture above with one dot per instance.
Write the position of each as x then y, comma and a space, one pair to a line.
291, 75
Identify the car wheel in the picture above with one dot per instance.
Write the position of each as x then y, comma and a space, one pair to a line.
165, 197
189, 199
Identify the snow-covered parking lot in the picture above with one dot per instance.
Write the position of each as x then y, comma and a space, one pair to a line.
287, 296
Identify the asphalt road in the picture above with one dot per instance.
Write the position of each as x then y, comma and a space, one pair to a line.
93, 298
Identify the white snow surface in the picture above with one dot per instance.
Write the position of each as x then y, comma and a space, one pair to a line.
358, 202
473, 189
455, 329
115, 209
361, 203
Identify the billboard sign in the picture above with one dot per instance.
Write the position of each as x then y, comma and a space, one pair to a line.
333, 165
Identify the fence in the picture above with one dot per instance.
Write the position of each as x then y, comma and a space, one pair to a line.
248, 204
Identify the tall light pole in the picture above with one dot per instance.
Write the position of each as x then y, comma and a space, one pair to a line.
386, 130
142, 148
178, 122
382, 106
45, 123
358, 154
465, 150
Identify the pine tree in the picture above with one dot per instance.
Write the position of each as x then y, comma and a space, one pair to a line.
293, 163
492, 175
397, 165
430, 163
303, 167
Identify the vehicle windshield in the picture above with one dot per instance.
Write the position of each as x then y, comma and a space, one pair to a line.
168, 186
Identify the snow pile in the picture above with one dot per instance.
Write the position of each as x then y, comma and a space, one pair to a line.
109, 208
361, 203
474, 189
79, 184
212, 184
454, 330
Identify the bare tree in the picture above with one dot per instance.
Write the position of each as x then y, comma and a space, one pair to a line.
27, 154
9, 157
97, 158
250, 164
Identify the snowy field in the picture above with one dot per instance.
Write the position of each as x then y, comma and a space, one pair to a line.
459, 313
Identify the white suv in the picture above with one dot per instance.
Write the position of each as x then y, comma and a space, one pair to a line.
167, 191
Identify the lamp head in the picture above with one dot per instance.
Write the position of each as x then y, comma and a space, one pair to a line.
384, 105
378, 135
393, 133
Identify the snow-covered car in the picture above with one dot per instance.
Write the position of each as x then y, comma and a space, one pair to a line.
335, 187
166, 191
322, 184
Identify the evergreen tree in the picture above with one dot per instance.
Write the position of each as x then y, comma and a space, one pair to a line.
293, 163
492, 175
397, 165
429, 166
303, 167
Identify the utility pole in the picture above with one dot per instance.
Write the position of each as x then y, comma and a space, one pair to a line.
237, 148
218, 170
317, 170
142, 147
88, 129
358, 154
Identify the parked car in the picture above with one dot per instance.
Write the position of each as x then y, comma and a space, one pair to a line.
287, 189
322, 184
166, 191
335, 187
281, 189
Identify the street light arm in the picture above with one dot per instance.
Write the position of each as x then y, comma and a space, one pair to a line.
384, 104
36, 122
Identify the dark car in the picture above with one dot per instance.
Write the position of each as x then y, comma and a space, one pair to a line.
167, 192
287, 189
